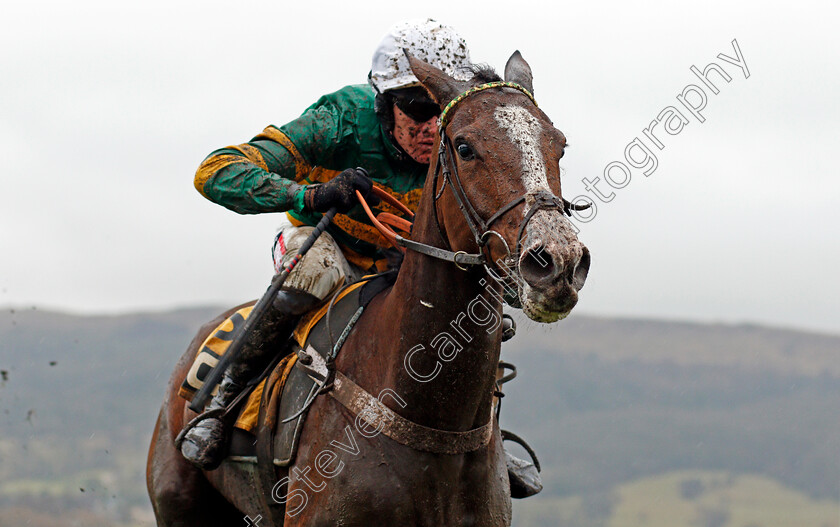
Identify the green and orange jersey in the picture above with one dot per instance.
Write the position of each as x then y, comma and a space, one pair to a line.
341, 130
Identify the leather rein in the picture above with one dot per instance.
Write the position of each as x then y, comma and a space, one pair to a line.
447, 169
360, 402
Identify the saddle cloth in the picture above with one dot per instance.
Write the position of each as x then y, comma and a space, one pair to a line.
294, 387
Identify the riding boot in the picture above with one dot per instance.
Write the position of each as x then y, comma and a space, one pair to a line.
525, 480
508, 327
206, 444
524, 476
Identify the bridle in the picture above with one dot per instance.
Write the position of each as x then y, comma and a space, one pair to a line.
481, 229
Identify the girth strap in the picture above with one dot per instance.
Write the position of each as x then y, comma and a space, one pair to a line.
386, 421
402, 430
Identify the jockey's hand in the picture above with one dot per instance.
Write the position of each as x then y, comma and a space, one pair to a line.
339, 192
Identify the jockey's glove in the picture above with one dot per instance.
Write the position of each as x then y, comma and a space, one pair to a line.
339, 192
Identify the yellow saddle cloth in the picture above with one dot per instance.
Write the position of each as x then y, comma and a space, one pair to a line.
220, 340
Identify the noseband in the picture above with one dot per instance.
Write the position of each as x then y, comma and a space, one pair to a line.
481, 229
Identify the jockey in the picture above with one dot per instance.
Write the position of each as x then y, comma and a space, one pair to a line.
387, 127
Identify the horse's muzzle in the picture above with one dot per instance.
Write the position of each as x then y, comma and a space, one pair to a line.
542, 268
553, 274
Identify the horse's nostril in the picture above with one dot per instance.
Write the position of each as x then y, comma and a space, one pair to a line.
537, 265
581, 271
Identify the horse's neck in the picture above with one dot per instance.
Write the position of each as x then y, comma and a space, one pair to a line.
450, 318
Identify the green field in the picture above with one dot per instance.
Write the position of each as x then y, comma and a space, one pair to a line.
636, 422
685, 499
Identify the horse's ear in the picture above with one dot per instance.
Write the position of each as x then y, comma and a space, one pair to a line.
518, 71
440, 85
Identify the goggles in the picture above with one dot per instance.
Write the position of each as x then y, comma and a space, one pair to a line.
418, 107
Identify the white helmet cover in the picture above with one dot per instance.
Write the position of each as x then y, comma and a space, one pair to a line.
428, 40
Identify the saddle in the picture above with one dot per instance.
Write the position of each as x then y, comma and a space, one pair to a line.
277, 403
268, 427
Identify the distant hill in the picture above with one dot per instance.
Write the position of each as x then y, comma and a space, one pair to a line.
747, 346
686, 499
607, 403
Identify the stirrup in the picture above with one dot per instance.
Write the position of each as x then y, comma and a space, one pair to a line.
208, 414
524, 476
204, 441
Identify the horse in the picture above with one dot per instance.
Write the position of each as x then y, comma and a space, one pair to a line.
491, 209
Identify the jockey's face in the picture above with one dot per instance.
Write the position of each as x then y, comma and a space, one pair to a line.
416, 138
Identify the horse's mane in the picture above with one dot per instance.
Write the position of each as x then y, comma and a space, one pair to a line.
484, 73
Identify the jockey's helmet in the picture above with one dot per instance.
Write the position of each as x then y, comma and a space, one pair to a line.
391, 76
428, 40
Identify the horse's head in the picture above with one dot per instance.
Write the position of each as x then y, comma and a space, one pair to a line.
499, 156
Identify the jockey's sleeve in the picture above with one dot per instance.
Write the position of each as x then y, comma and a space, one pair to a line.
266, 174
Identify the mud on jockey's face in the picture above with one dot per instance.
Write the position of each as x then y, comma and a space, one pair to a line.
416, 135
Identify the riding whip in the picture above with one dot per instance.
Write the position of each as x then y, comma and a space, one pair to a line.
215, 375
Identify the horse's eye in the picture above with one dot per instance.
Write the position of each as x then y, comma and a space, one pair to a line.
465, 151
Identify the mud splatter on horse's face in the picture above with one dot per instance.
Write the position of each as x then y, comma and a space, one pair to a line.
553, 264
504, 148
514, 150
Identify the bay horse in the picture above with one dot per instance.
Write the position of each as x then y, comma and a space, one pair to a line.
492, 201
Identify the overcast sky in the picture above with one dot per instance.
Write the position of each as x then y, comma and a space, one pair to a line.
107, 108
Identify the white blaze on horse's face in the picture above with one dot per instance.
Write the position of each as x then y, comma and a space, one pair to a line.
524, 130
549, 244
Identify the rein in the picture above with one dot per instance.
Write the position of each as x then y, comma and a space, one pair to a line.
481, 229
357, 400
